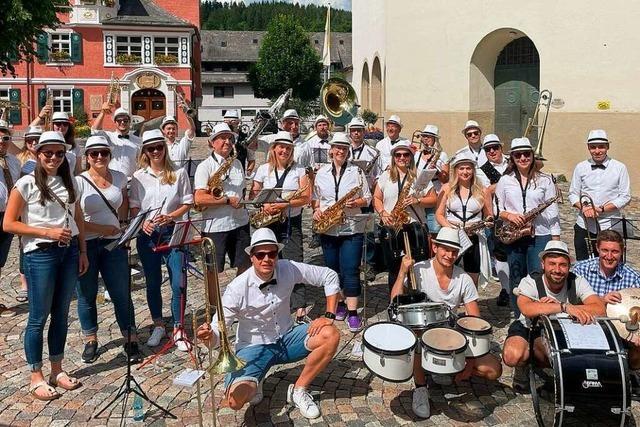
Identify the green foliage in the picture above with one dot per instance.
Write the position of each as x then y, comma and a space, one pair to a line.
286, 60
257, 16
22, 21
303, 108
369, 116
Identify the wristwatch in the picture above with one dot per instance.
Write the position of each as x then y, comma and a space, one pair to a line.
330, 315
563, 307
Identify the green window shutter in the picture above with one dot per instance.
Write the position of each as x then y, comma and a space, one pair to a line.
15, 115
43, 47
78, 101
76, 47
13, 56
42, 98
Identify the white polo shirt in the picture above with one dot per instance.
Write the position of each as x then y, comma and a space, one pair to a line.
179, 151
148, 191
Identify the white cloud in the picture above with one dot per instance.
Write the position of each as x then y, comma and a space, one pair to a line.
337, 4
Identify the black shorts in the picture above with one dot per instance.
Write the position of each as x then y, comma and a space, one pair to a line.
231, 243
517, 329
471, 258
5, 242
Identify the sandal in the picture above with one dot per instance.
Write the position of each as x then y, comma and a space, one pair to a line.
6, 312
53, 394
23, 295
63, 375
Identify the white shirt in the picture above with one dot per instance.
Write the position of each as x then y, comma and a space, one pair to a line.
51, 215
384, 146
528, 288
319, 150
324, 190
460, 291
364, 152
13, 164
263, 315
124, 152
290, 185
479, 156
73, 156
301, 150
4, 194
472, 213
94, 208
500, 167
509, 195
390, 196
148, 191
179, 151
610, 185
421, 165
222, 217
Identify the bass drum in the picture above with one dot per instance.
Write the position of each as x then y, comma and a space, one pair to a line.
393, 244
585, 377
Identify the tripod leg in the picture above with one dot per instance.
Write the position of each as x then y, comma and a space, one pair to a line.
145, 397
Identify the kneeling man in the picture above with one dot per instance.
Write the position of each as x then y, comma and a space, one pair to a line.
553, 291
443, 281
258, 300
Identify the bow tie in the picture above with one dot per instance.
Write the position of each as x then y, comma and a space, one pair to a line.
358, 149
393, 142
323, 141
268, 283
598, 166
123, 136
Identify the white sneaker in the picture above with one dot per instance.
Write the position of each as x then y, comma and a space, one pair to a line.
157, 334
181, 344
420, 404
303, 401
258, 396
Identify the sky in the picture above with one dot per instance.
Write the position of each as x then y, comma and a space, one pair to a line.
338, 4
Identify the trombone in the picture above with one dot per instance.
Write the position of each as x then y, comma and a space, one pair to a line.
586, 200
539, 122
182, 103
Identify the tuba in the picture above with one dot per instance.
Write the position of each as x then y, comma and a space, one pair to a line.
263, 118
339, 101
544, 101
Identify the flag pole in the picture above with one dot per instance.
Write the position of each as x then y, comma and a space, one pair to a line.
326, 48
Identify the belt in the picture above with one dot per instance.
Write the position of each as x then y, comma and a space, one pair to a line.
49, 245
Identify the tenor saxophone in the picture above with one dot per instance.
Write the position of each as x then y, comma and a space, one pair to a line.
399, 216
214, 184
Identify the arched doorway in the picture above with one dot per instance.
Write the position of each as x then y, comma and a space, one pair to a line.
148, 103
376, 87
516, 85
364, 86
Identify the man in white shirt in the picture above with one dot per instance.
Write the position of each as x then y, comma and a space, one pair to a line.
259, 301
393, 128
473, 133
246, 155
178, 151
226, 220
606, 182
553, 291
363, 155
125, 145
319, 143
290, 122
443, 281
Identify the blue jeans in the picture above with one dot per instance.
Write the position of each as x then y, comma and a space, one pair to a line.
114, 269
522, 256
432, 224
152, 264
52, 273
343, 254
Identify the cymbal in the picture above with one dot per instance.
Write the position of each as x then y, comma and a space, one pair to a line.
629, 306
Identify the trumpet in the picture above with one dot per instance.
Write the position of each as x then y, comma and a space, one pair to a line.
186, 108
48, 125
113, 91
586, 200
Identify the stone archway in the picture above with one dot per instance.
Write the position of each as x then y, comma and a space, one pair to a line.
364, 86
376, 87
149, 78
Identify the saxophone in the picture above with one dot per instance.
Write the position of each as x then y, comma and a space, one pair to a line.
262, 219
214, 184
508, 232
334, 214
477, 226
399, 216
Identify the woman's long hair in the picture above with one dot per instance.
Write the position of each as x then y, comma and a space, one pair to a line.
70, 136
63, 172
476, 188
532, 173
168, 167
394, 173
273, 162
24, 155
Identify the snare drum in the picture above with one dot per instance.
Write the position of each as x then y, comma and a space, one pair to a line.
586, 378
422, 314
478, 332
389, 351
443, 351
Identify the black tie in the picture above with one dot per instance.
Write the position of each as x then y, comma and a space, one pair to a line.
598, 166
270, 282
123, 136
323, 141
393, 142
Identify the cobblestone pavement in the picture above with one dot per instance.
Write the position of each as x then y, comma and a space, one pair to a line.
348, 394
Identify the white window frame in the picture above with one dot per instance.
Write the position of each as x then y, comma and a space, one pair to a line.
165, 45
59, 45
181, 36
58, 97
51, 45
128, 44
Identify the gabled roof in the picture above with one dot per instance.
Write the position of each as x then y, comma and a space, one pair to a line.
144, 12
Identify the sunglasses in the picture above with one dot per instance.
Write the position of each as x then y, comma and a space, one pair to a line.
492, 148
473, 133
158, 148
125, 121
400, 155
31, 141
260, 255
519, 154
50, 154
102, 153
6, 138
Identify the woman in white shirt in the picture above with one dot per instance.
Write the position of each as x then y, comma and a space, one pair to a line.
281, 171
60, 122
522, 188
104, 202
44, 211
159, 185
342, 243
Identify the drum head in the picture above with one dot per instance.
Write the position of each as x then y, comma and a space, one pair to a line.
389, 338
444, 340
474, 324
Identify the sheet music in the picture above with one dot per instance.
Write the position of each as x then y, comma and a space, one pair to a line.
182, 232
424, 179
321, 155
586, 337
465, 242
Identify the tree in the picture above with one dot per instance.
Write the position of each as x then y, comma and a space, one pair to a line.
286, 60
22, 21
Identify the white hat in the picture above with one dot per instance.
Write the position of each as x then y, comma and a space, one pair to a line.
33, 131
231, 114
555, 247
167, 120
395, 119
97, 141
4, 125
290, 114
152, 136
340, 138
319, 119
490, 139
401, 145
283, 137
219, 129
448, 236
431, 130
263, 236
356, 122
597, 136
470, 125
60, 117
520, 144
50, 138
120, 112
462, 157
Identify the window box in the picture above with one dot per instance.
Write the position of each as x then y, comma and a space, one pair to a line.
109, 3
124, 59
166, 59
59, 56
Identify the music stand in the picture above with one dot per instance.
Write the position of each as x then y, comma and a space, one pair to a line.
266, 195
630, 231
130, 233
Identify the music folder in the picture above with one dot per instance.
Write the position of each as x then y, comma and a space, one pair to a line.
266, 195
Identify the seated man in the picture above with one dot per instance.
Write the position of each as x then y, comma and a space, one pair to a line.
258, 300
443, 281
554, 291
608, 274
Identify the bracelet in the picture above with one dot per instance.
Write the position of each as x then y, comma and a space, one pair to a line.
226, 201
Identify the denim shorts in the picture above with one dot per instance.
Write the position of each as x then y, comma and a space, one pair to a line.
260, 358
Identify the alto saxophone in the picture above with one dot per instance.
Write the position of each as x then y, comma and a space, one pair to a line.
334, 214
214, 184
399, 216
262, 219
508, 232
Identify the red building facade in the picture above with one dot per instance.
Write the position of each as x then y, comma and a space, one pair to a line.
152, 47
